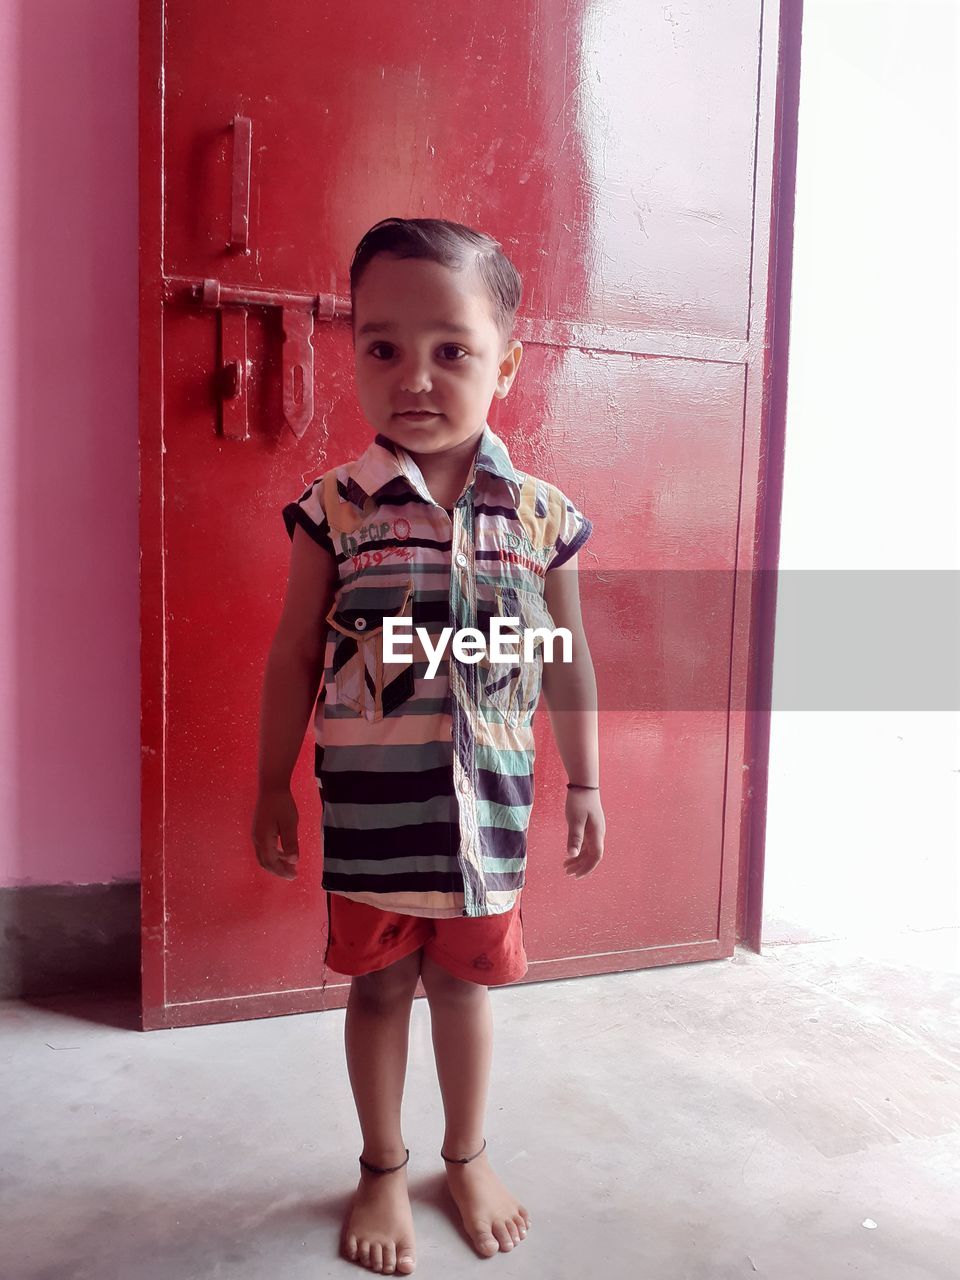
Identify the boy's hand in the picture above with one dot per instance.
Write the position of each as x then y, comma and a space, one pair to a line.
585, 826
276, 814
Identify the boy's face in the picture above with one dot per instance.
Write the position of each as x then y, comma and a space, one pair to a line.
434, 347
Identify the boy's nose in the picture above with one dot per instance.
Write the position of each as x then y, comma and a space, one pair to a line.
415, 381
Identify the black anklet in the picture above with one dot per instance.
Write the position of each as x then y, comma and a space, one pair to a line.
375, 1168
465, 1159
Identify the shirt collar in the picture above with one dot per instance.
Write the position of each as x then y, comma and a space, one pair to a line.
384, 460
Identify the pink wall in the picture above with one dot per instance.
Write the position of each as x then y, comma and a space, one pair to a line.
69, 670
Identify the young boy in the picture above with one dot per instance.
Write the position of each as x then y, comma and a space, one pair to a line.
427, 780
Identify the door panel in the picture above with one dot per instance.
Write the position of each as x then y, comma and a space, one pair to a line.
624, 156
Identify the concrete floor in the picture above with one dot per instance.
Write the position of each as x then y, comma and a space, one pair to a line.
726, 1119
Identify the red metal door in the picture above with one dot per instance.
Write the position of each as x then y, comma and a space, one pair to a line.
624, 153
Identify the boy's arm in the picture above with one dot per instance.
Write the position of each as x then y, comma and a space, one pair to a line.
294, 666
570, 688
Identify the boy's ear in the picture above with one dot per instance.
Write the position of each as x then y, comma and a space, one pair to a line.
509, 365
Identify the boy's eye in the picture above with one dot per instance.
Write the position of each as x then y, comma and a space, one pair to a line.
458, 352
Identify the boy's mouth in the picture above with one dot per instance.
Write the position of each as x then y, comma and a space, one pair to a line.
417, 416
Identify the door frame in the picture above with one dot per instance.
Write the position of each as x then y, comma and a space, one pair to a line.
764, 359
783, 180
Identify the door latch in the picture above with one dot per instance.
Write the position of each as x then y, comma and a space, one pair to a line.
298, 313
240, 190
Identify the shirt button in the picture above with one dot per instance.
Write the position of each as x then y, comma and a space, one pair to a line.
461, 558
360, 624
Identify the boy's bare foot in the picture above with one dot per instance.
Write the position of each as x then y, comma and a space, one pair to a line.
378, 1229
493, 1217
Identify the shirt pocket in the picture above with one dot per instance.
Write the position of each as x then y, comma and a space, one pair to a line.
513, 687
364, 683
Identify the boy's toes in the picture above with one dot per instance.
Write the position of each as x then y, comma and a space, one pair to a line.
485, 1242
521, 1226
504, 1238
350, 1248
406, 1257
376, 1257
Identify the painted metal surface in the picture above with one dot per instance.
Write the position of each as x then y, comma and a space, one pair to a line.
623, 153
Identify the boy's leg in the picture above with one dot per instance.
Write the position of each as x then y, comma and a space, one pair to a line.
376, 1036
378, 1231
462, 1024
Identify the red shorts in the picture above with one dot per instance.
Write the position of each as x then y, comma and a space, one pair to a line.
484, 949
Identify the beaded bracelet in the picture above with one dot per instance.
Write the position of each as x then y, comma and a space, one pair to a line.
580, 786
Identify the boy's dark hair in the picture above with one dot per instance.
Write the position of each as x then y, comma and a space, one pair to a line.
452, 245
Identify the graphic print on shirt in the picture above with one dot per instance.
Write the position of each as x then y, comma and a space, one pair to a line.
513, 688
364, 682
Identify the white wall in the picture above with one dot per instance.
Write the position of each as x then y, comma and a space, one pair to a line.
862, 834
